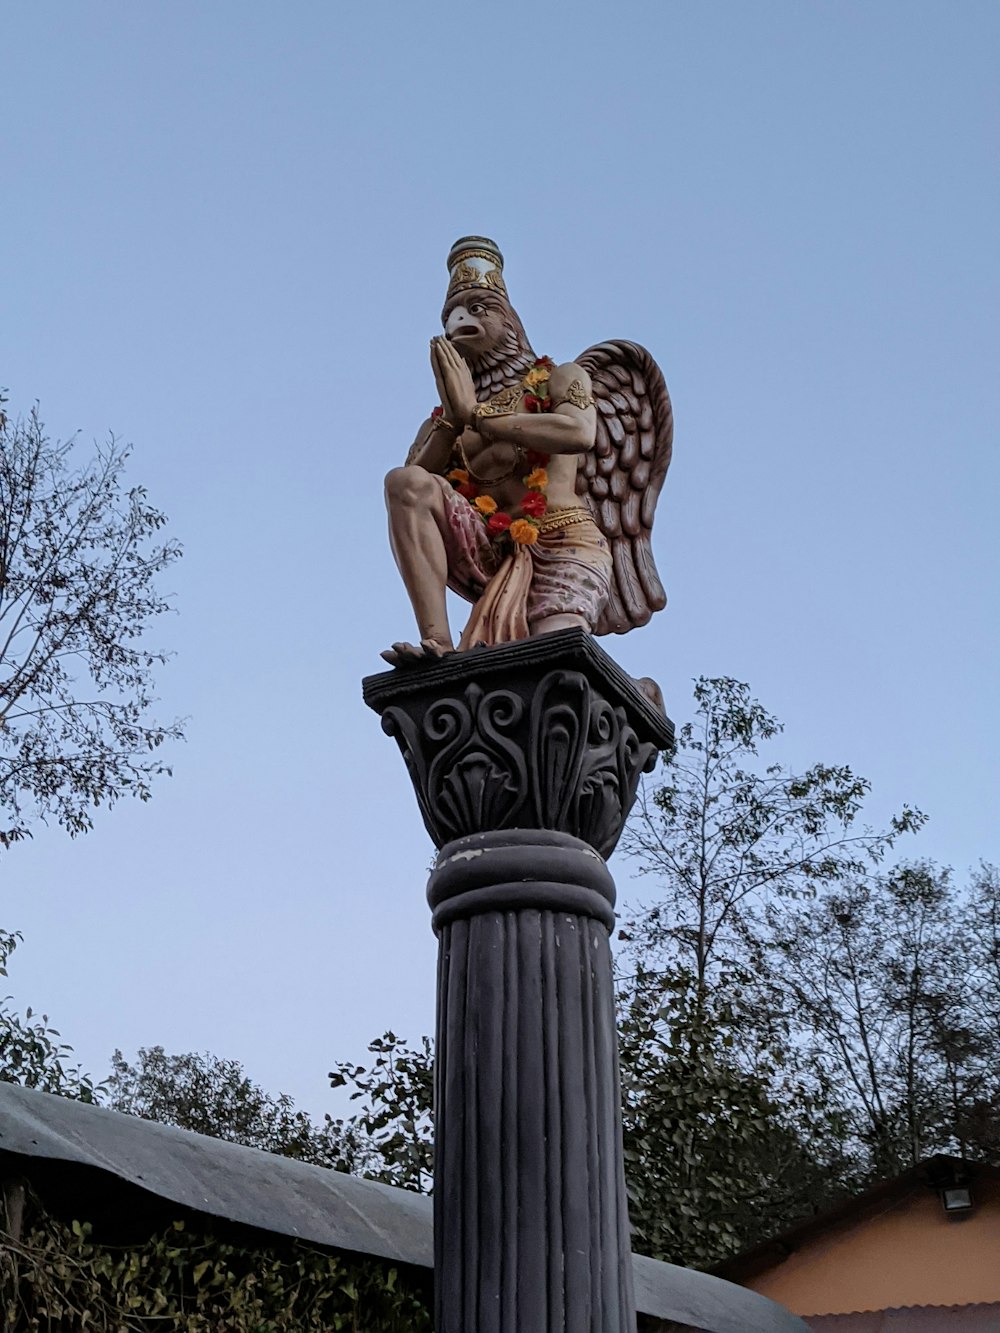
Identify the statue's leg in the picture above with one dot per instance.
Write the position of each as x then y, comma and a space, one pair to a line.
417, 522
571, 580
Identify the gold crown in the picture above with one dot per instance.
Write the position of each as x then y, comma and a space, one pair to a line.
475, 261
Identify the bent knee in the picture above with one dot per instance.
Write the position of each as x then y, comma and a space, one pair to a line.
410, 485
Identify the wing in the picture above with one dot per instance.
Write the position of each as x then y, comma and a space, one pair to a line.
620, 479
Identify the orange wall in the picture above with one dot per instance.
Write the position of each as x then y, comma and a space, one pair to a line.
911, 1254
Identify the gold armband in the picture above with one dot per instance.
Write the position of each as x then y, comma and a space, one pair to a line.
578, 396
502, 404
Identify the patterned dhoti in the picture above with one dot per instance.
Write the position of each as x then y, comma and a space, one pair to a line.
567, 571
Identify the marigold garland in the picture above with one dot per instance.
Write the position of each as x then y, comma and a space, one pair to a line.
501, 526
536, 384
524, 532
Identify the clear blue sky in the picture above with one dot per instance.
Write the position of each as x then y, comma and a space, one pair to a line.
224, 232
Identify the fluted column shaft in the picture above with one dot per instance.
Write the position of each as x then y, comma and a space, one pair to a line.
531, 1217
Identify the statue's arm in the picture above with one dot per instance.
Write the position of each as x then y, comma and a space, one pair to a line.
432, 448
570, 427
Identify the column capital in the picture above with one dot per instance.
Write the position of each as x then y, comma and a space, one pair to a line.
546, 733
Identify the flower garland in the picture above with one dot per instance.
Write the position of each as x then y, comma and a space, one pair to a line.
502, 526
536, 386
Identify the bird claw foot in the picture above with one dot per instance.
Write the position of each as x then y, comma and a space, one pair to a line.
408, 654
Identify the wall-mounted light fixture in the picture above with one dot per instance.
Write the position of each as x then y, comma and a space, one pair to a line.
950, 1177
956, 1199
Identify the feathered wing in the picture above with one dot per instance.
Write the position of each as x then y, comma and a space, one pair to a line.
620, 479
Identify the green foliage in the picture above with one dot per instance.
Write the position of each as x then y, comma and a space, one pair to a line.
890, 989
60, 1277
725, 835
717, 1149
32, 1052
800, 1021
397, 1094
79, 555
210, 1095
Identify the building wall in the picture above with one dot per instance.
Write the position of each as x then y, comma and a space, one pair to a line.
912, 1253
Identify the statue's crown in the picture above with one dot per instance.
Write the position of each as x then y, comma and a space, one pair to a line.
475, 261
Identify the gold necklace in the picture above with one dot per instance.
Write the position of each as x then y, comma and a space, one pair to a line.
502, 404
488, 481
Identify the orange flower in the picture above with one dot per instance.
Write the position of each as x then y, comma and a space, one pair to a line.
486, 505
537, 480
458, 474
523, 532
536, 376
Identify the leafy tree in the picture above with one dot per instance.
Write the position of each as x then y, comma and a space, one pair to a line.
722, 1112
397, 1095
32, 1052
724, 836
213, 1096
389, 1139
889, 987
971, 1049
813, 1021
861, 968
716, 1147
79, 555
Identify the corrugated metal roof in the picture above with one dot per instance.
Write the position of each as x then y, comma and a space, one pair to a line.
288, 1198
919, 1318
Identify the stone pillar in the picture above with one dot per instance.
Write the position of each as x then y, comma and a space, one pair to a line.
525, 759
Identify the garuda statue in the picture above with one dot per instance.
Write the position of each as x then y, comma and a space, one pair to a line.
531, 488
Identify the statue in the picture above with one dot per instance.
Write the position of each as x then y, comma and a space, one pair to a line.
530, 490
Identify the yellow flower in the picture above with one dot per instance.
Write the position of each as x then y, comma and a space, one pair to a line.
485, 504
537, 480
538, 375
523, 532
458, 474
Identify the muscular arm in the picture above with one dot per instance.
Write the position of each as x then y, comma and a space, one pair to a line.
567, 429
431, 450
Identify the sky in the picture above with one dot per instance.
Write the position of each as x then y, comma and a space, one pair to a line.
223, 239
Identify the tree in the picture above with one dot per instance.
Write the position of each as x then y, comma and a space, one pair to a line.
805, 1005
397, 1096
971, 1050
32, 1052
714, 1150
890, 992
79, 555
726, 1129
214, 1096
724, 836
862, 970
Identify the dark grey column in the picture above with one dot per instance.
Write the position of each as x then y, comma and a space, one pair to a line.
525, 760
532, 1228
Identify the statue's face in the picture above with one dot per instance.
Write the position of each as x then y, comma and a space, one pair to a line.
476, 321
